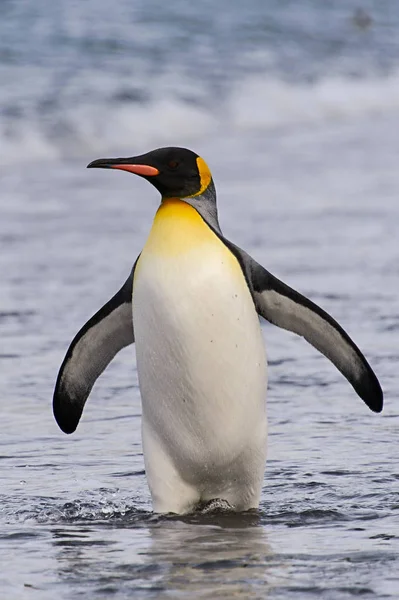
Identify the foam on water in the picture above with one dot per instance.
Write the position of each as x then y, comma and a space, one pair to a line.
255, 104
261, 103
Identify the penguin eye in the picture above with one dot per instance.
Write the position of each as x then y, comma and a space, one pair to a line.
173, 164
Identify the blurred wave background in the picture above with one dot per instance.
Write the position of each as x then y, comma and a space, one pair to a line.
84, 77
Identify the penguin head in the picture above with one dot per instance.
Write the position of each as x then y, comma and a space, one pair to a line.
175, 172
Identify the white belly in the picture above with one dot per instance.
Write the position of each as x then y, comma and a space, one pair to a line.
201, 367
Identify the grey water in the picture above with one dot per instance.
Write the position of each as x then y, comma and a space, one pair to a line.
295, 107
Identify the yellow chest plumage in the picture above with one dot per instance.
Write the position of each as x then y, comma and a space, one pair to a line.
178, 228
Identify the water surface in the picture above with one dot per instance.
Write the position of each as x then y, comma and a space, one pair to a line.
296, 112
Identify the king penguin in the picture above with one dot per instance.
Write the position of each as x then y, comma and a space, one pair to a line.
192, 304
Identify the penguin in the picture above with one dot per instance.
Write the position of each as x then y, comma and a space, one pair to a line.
191, 305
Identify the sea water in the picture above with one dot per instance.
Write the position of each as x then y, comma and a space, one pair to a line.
295, 107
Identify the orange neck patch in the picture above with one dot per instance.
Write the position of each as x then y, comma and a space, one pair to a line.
177, 228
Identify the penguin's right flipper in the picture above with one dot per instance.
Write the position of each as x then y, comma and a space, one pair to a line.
281, 305
90, 352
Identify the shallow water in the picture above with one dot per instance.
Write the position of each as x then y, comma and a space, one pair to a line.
312, 195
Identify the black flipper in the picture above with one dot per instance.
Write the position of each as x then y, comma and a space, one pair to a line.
281, 305
90, 352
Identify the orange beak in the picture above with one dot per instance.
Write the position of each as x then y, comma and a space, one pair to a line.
124, 165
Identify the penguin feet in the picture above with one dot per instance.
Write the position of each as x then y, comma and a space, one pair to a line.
216, 505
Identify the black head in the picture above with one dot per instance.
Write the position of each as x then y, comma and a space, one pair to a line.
175, 172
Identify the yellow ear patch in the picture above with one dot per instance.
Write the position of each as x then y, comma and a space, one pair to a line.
205, 176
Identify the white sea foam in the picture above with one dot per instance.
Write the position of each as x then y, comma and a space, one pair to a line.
257, 103
270, 103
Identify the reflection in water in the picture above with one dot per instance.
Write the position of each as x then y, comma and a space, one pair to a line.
220, 556
211, 558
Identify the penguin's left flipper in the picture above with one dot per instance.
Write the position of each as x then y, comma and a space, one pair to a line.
90, 352
281, 305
